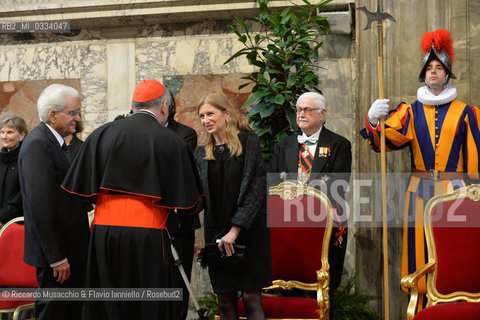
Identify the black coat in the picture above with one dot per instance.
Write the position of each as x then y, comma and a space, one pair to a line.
56, 223
336, 164
250, 216
252, 197
339, 159
10, 196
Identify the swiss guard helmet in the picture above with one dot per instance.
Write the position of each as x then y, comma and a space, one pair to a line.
437, 45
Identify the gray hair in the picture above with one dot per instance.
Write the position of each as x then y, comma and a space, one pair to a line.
319, 100
53, 98
167, 96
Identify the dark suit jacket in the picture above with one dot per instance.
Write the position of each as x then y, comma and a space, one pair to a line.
176, 222
336, 164
56, 223
186, 133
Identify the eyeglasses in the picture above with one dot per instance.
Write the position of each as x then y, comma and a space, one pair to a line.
73, 113
305, 110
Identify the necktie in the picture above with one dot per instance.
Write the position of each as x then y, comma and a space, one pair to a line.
64, 147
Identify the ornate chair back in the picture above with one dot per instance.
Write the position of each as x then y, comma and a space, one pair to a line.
452, 231
14, 272
300, 219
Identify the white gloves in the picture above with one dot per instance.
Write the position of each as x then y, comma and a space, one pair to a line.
378, 110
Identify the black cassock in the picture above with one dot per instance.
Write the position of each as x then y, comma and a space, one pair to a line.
134, 156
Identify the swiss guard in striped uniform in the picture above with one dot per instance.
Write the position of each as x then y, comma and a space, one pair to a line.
442, 135
134, 169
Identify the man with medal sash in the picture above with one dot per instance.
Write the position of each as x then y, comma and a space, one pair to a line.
318, 157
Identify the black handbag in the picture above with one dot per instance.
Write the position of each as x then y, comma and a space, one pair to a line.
211, 256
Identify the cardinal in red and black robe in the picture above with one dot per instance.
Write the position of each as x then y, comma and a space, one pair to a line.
133, 170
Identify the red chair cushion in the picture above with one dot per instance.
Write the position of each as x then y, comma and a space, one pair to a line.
12, 304
456, 231
450, 311
286, 308
14, 272
296, 246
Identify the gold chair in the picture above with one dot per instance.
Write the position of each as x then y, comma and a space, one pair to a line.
300, 220
452, 231
14, 272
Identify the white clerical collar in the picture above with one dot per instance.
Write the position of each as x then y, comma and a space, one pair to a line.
57, 135
425, 96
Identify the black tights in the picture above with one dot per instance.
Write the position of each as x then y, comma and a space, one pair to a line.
252, 300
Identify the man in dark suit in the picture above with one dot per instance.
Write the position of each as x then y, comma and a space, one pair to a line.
56, 225
182, 227
321, 155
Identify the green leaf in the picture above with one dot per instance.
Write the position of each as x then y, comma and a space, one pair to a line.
266, 75
255, 96
237, 54
235, 30
301, 52
256, 109
279, 99
285, 12
272, 70
242, 24
292, 118
240, 87
267, 110
292, 80
257, 63
273, 48
273, 58
263, 8
286, 19
260, 131
274, 20
252, 55
309, 77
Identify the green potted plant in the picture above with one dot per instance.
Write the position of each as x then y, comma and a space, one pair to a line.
353, 305
284, 50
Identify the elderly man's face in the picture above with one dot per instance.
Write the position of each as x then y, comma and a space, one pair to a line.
309, 117
65, 121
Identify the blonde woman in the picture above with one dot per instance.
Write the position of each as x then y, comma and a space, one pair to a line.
234, 180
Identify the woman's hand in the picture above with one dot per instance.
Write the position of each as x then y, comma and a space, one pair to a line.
228, 240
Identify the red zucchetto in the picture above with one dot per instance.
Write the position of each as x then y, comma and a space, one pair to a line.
148, 90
